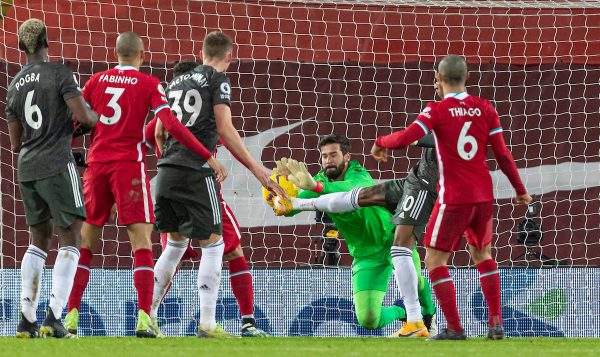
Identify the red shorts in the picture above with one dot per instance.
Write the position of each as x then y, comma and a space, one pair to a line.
231, 229
122, 182
448, 223
231, 234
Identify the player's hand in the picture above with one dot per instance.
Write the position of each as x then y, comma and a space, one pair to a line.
379, 153
113, 214
79, 159
523, 199
282, 167
80, 129
220, 170
264, 177
299, 175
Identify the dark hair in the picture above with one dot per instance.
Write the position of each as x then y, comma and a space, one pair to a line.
453, 69
216, 45
183, 67
336, 139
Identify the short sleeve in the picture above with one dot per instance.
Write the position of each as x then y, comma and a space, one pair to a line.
158, 98
220, 89
67, 83
494, 119
426, 119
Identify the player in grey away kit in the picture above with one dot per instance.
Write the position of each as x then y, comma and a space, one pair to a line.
38, 103
187, 192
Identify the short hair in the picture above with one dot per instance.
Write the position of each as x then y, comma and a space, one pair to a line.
453, 69
32, 36
183, 67
129, 44
216, 45
336, 139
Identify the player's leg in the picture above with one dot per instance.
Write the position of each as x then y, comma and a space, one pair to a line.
370, 280
240, 276
402, 199
340, 202
444, 232
207, 227
131, 189
98, 200
479, 237
63, 194
38, 217
412, 205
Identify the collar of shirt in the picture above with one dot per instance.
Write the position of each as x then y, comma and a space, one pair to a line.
125, 67
457, 95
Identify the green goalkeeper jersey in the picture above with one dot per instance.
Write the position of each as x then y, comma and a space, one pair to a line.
368, 231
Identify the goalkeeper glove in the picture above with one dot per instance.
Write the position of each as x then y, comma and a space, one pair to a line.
300, 176
80, 129
79, 159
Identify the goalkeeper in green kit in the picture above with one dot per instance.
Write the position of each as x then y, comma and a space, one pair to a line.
368, 231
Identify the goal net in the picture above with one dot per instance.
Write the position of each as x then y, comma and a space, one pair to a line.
362, 69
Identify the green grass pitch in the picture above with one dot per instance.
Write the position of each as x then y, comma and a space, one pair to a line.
296, 346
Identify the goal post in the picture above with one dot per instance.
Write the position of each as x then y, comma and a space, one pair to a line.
359, 68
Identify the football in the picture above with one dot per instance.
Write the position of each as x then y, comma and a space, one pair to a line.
288, 186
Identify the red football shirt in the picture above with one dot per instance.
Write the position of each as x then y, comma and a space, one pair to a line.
461, 125
122, 97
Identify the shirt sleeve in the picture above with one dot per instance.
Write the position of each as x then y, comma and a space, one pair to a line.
495, 126
158, 98
67, 83
419, 128
426, 119
220, 89
88, 89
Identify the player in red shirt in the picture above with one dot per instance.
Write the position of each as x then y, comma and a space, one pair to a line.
462, 126
117, 170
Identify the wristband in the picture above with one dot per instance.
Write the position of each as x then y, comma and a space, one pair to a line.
318, 188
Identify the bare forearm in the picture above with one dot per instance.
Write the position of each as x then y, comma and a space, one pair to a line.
233, 142
15, 130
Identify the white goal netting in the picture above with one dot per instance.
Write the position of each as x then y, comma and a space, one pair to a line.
362, 69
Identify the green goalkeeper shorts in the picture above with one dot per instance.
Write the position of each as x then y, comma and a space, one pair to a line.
371, 274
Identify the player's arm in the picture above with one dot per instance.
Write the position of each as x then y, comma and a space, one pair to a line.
15, 131
400, 139
84, 114
232, 153
232, 140
299, 176
505, 160
426, 142
187, 139
74, 98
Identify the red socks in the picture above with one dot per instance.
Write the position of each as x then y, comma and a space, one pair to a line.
490, 286
143, 278
82, 277
442, 284
241, 285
